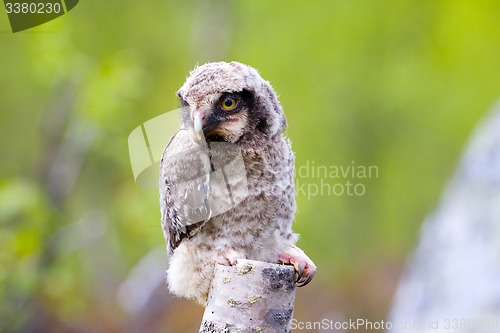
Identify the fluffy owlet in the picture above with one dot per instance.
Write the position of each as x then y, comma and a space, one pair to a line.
227, 180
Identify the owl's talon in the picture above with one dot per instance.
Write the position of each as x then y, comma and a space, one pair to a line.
300, 272
304, 267
304, 283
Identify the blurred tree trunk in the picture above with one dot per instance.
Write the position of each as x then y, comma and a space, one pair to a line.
64, 144
452, 282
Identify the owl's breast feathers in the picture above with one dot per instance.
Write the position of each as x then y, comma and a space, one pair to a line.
268, 174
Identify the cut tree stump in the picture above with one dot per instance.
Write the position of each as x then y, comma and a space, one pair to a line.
252, 296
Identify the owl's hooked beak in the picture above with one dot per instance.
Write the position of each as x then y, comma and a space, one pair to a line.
205, 125
198, 125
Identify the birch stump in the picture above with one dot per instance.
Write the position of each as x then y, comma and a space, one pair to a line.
252, 296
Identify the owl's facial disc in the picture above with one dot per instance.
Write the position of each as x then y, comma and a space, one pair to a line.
226, 119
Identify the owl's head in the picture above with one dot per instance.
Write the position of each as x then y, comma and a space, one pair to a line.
230, 101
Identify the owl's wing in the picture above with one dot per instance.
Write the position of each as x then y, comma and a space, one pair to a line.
184, 181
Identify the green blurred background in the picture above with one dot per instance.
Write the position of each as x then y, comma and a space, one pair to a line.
398, 85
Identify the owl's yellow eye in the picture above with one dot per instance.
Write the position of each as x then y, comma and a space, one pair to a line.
228, 103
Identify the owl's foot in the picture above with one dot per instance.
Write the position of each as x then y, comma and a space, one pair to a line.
230, 257
304, 267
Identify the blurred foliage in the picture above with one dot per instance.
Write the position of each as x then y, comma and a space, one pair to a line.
394, 84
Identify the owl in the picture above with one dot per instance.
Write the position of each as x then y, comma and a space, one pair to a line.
227, 180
